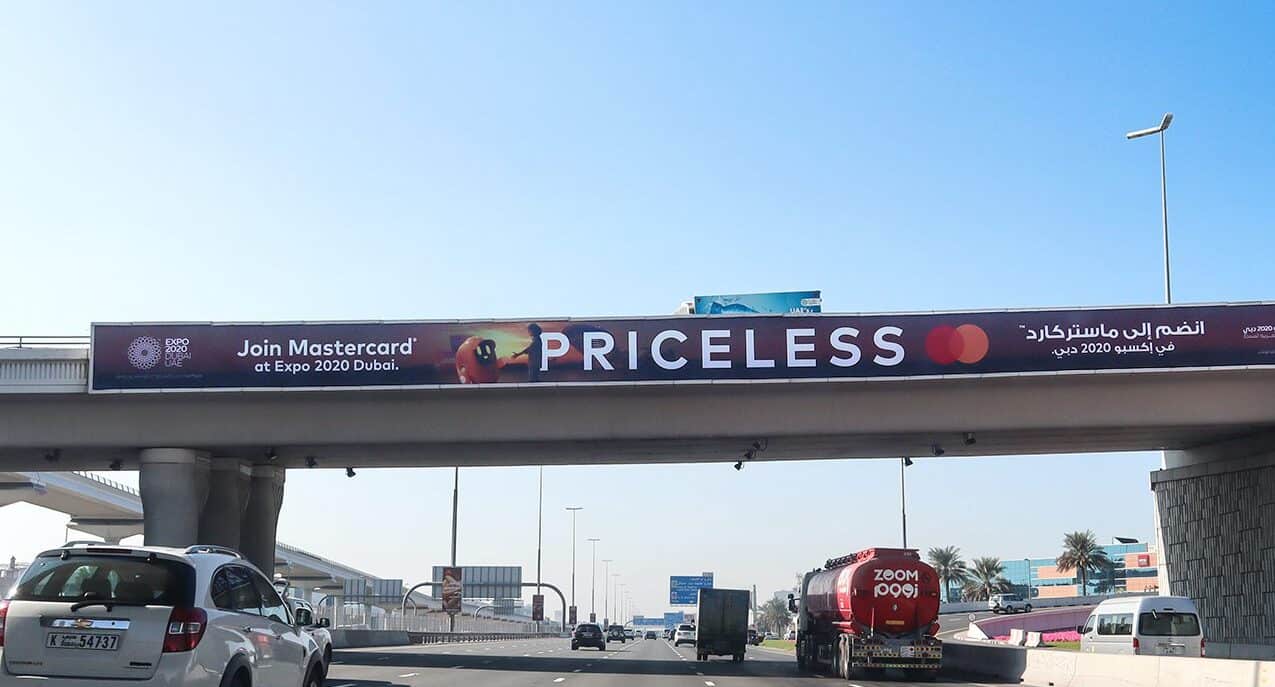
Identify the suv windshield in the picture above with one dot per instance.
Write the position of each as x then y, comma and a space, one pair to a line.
1168, 624
122, 579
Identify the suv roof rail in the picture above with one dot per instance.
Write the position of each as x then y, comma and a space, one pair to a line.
210, 548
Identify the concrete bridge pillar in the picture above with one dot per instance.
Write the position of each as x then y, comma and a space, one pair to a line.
1215, 508
261, 519
221, 522
174, 486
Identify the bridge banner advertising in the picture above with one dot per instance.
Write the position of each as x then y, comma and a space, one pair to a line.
152, 357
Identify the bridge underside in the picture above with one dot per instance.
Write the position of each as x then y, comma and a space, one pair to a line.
645, 423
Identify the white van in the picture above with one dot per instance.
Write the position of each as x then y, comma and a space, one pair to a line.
1146, 625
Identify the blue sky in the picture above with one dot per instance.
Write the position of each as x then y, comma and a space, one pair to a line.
423, 160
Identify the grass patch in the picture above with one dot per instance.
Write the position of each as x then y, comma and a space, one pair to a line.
781, 644
1064, 646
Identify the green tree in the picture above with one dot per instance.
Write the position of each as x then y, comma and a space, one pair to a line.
986, 577
775, 616
1082, 553
947, 562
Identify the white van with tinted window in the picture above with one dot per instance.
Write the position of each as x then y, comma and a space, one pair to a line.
1144, 625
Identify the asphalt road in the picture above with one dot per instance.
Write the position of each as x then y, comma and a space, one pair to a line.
552, 663
952, 623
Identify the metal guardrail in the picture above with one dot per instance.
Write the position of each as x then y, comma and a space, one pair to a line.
43, 341
109, 483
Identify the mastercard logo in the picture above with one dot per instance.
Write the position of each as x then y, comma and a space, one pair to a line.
946, 344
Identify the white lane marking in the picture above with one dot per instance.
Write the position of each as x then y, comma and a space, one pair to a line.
409, 675
383, 658
710, 683
560, 679
457, 667
577, 670
699, 673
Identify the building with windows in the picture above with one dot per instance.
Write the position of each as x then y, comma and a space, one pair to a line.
1136, 570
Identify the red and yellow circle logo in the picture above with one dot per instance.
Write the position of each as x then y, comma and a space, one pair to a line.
946, 344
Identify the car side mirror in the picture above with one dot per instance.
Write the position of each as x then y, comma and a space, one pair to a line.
1080, 629
792, 604
324, 622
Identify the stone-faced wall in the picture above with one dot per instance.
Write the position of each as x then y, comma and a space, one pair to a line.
1217, 521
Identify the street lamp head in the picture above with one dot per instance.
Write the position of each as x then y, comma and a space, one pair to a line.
1164, 124
574, 508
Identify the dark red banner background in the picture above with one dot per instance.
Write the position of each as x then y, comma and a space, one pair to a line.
271, 356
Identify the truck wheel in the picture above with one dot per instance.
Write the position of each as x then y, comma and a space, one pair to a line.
802, 666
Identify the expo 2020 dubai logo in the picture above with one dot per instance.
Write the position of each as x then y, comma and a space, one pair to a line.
144, 352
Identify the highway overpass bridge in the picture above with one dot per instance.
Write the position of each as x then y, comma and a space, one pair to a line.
215, 414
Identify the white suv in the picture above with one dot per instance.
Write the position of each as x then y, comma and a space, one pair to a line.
685, 634
1008, 603
86, 614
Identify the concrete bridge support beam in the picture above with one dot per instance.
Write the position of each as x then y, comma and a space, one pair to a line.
261, 520
1215, 508
174, 487
221, 522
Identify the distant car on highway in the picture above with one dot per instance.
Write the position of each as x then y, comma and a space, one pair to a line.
630, 633
588, 634
650, 634
1008, 603
685, 634
616, 633
317, 628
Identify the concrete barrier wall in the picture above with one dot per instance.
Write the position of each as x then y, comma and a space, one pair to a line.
350, 639
357, 639
1046, 668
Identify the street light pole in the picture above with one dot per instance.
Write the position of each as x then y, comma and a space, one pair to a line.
574, 510
593, 581
606, 587
1164, 194
904, 463
1028, 561
455, 502
540, 526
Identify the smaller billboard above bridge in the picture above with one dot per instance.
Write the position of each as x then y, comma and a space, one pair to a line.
159, 357
782, 303
683, 590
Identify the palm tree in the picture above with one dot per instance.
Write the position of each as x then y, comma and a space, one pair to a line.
775, 616
986, 577
948, 564
1082, 554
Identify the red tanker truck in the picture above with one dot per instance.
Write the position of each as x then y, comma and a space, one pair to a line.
870, 610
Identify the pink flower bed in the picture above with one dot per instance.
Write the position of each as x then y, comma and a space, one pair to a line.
1049, 637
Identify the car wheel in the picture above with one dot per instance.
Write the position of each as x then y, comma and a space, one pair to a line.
1028, 609
315, 678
